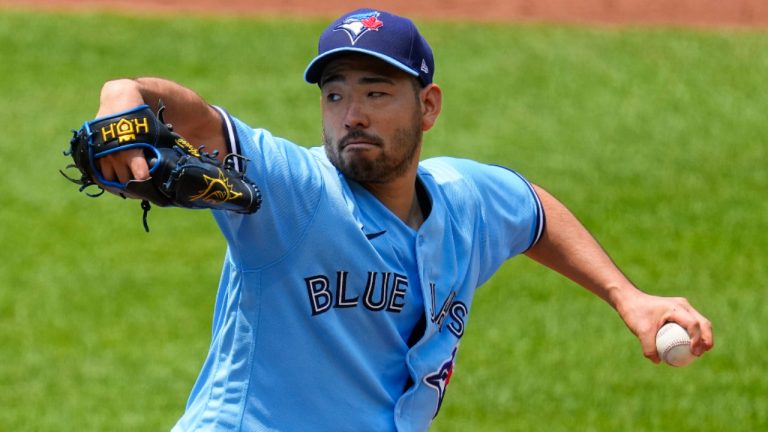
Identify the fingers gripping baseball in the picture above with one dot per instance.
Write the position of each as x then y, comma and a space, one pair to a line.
696, 325
647, 314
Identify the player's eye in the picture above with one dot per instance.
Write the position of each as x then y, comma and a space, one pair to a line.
333, 97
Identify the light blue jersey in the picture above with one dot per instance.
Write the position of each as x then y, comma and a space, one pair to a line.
332, 314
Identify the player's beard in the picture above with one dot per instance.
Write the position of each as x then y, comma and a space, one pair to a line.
393, 160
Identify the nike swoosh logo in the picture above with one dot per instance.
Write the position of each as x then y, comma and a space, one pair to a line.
372, 236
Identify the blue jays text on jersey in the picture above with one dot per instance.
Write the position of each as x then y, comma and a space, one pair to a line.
388, 295
334, 315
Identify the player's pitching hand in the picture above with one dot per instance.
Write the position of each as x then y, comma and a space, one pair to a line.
645, 314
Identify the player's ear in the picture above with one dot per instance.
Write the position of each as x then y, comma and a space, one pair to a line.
431, 104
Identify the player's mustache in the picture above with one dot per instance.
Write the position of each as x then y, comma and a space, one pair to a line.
357, 134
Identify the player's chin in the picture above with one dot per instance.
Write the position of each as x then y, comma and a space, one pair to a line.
365, 156
365, 170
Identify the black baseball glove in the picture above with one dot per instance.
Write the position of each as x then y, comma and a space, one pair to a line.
180, 174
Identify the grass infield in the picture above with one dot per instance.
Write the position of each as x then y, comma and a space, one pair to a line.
656, 138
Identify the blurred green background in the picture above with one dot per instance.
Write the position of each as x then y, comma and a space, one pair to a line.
654, 137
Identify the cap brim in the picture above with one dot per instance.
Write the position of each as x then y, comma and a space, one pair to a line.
314, 71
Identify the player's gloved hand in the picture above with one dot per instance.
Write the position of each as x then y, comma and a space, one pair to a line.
125, 166
135, 154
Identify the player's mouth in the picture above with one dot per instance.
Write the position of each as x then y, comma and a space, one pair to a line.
358, 146
359, 141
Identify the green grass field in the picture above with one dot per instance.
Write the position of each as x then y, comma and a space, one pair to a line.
656, 138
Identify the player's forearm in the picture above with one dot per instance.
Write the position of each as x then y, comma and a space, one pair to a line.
568, 248
189, 114
121, 94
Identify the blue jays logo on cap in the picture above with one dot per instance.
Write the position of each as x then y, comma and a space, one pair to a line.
359, 24
385, 36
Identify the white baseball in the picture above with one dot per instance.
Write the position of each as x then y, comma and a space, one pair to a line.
674, 345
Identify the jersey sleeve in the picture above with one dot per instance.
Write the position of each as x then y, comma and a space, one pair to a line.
498, 206
511, 217
290, 180
511, 205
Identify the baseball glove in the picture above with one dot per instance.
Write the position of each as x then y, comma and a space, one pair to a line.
180, 174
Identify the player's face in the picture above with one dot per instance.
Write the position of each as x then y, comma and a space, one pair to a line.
372, 119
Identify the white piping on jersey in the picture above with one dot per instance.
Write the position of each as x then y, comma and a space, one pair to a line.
230, 136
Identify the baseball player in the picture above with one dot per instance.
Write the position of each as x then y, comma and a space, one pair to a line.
344, 298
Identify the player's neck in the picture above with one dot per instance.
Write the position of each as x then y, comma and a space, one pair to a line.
400, 197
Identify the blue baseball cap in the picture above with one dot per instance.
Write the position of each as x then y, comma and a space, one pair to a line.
383, 35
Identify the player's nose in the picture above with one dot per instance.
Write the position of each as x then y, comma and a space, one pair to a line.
356, 116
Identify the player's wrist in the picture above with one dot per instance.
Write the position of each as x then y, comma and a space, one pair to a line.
117, 96
621, 296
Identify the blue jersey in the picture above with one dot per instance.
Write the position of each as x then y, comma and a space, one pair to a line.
334, 315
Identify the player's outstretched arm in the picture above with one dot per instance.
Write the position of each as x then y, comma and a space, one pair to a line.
189, 114
134, 149
568, 248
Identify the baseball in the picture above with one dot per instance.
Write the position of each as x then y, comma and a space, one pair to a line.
674, 345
